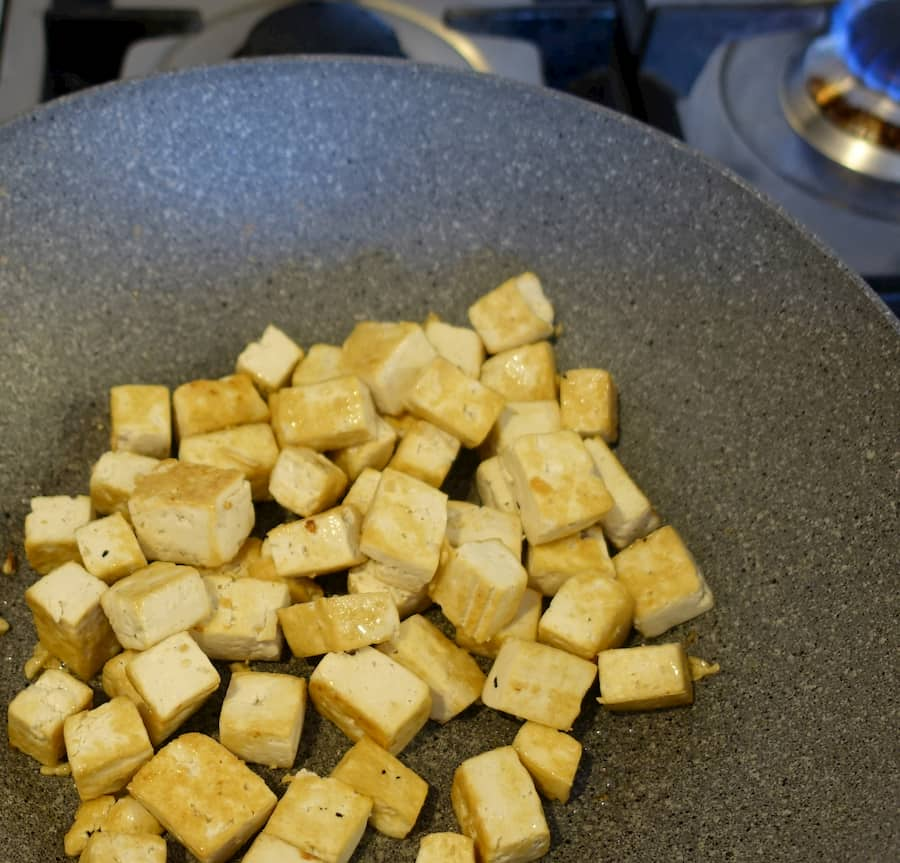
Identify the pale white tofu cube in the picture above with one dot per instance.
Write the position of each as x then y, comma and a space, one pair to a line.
321, 363
468, 522
262, 717
50, 530
515, 313
140, 420
68, 617
115, 682
113, 477
446, 848
37, 714
271, 849
154, 603
522, 374
632, 515
322, 817
454, 678
368, 693
589, 613
550, 756
327, 415
174, 678
109, 548
244, 621
327, 542
249, 448
460, 345
106, 746
524, 625
538, 682
521, 418
495, 487
426, 452
209, 405
111, 847
362, 492
454, 402
88, 819
271, 360
404, 527
496, 804
207, 798
664, 580
556, 485
388, 357
551, 564
305, 481
191, 513
368, 579
645, 678
480, 587
374, 454
397, 793
126, 815
589, 403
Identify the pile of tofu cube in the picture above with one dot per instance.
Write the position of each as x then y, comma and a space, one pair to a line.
155, 574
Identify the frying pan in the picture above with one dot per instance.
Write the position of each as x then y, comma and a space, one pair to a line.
150, 229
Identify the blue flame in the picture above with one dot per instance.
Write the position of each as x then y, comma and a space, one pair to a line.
867, 33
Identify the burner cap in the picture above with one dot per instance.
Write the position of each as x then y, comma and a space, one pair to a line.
868, 36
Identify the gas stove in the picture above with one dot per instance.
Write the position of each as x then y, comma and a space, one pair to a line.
802, 99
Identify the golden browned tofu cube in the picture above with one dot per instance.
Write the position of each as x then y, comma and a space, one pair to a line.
551, 757
207, 798
321, 363
209, 405
109, 548
368, 579
113, 847
521, 418
50, 530
426, 453
645, 678
515, 313
126, 815
305, 482
397, 793
495, 802
374, 454
327, 542
140, 420
460, 345
88, 819
522, 374
270, 360
113, 477
551, 564
467, 522
495, 487
589, 403
524, 625
446, 848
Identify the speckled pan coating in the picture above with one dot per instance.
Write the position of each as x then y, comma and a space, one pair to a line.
149, 230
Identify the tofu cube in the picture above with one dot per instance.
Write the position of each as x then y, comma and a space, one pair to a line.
140, 420
204, 796
589, 403
112, 847
109, 548
249, 562
335, 623
551, 757
115, 682
113, 477
271, 360
375, 454
467, 522
271, 849
368, 579
88, 819
70, 623
327, 542
496, 804
50, 530
106, 747
322, 817
556, 485
321, 363
362, 492
37, 714
454, 678
368, 693
521, 418
388, 357
460, 345
191, 513
589, 613
262, 717
249, 448
401, 423
480, 587
328, 415
397, 793
244, 621
174, 678
538, 682
495, 487
515, 313
446, 848
662, 577
209, 405
126, 815
645, 678
524, 625
551, 564
632, 515
404, 528
426, 452
522, 374
305, 482
454, 402
154, 603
